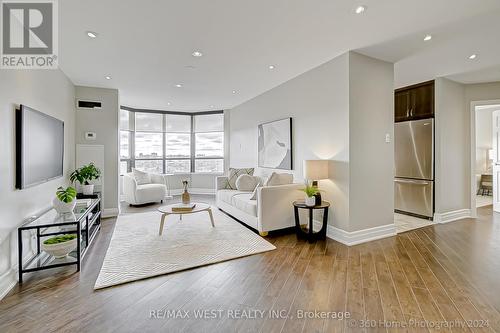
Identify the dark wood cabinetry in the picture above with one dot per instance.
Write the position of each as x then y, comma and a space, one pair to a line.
414, 102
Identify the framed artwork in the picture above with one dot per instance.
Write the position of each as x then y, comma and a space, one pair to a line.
275, 144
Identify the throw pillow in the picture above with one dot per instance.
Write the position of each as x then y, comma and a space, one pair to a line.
279, 179
141, 177
234, 174
246, 182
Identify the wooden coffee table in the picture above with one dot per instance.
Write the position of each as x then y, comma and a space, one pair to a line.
167, 210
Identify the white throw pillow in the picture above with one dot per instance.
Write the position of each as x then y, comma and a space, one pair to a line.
141, 177
279, 179
246, 182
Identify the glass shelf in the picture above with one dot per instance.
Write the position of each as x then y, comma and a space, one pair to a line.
46, 260
51, 217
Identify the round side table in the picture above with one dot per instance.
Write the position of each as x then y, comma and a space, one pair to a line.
310, 235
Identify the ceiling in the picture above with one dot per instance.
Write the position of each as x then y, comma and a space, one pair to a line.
146, 46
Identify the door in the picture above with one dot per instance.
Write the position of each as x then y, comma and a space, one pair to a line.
414, 149
496, 161
414, 196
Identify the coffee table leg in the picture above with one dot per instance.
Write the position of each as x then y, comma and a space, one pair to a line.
211, 217
180, 217
161, 223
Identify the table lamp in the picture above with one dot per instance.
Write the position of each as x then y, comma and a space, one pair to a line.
315, 170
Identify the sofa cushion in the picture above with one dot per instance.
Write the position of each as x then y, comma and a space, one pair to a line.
243, 202
279, 179
246, 182
227, 195
141, 177
234, 174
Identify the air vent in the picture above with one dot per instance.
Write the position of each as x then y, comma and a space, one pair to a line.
88, 105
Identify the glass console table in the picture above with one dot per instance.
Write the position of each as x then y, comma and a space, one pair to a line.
85, 222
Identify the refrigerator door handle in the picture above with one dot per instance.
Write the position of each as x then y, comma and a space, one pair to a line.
412, 181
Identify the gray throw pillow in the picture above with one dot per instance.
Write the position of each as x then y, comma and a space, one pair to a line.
234, 174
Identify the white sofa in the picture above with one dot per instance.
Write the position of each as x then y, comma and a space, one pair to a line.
272, 210
147, 193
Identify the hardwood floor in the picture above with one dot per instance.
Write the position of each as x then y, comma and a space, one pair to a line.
445, 273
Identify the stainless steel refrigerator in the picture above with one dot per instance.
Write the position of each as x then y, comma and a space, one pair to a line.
414, 167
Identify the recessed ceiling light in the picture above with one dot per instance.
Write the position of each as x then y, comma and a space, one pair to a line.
107, 77
197, 54
428, 37
92, 34
234, 91
168, 103
178, 85
211, 106
272, 67
472, 56
360, 9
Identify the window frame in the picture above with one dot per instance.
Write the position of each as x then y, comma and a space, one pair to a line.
192, 158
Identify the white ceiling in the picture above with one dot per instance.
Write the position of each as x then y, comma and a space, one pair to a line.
146, 45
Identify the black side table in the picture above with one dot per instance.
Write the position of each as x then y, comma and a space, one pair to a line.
311, 235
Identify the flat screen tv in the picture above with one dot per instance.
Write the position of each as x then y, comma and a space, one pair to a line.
39, 147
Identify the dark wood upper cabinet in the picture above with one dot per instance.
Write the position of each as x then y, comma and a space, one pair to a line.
414, 102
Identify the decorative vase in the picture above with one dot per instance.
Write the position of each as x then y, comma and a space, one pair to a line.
310, 201
88, 189
186, 198
63, 207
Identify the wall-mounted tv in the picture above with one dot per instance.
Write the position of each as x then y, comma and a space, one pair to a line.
39, 147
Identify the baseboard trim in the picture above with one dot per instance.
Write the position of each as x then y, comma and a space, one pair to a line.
7, 282
452, 216
351, 238
110, 212
193, 191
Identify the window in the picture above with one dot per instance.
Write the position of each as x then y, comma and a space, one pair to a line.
125, 142
163, 142
209, 143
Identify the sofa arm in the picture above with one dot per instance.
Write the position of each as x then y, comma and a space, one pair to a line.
157, 178
220, 182
129, 189
275, 209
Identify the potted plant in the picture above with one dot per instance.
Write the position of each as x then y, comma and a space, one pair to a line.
84, 176
310, 192
60, 246
64, 202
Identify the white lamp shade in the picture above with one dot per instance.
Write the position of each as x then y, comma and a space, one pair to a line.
316, 169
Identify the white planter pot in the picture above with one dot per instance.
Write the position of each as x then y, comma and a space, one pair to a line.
60, 250
310, 201
63, 207
88, 189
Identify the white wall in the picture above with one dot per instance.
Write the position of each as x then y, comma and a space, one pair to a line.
454, 120
371, 117
50, 92
104, 123
451, 157
340, 115
318, 102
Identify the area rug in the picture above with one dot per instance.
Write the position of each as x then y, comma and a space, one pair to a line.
137, 251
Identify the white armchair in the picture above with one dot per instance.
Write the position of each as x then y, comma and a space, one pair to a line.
135, 194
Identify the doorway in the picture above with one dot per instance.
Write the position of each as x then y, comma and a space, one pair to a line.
485, 126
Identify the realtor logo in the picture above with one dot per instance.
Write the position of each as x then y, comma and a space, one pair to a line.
29, 34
